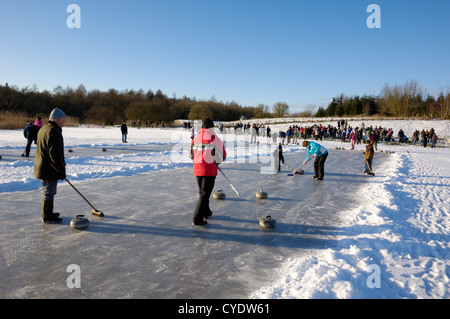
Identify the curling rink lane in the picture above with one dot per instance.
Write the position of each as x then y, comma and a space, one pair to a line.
146, 247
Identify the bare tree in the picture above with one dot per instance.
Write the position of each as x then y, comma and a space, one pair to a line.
280, 109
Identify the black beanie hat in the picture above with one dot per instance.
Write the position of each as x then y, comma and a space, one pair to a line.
208, 123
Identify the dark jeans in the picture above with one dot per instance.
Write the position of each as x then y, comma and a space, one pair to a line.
205, 188
28, 147
48, 189
278, 159
368, 166
319, 163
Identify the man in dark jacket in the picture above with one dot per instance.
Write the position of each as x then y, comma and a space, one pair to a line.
49, 163
30, 132
278, 156
124, 130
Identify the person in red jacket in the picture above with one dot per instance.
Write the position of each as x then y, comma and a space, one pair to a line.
207, 152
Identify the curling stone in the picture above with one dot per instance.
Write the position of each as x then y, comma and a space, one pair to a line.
267, 222
70, 150
79, 222
261, 194
103, 149
219, 194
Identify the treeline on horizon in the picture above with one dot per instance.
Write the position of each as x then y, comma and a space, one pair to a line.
112, 107
407, 100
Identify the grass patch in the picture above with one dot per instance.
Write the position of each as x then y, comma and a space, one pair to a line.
18, 120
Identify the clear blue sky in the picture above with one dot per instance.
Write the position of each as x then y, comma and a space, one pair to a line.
248, 51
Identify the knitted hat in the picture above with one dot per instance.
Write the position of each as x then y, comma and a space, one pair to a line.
208, 123
57, 114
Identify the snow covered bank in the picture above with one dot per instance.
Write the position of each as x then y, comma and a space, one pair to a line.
395, 245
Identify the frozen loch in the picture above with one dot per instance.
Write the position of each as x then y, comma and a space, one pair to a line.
328, 234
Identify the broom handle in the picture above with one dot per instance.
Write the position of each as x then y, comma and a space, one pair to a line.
237, 193
368, 165
304, 163
73, 187
80, 194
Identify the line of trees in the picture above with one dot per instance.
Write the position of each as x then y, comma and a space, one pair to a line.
112, 107
353, 105
407, 100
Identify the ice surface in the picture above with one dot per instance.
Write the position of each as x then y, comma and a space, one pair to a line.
145, 246
329, 233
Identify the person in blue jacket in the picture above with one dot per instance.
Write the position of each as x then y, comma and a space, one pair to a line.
30, 133
321, 154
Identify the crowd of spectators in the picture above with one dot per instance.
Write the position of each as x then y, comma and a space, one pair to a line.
341, 131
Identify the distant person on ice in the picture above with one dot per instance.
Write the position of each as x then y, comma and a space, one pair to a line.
124, 130
278, 156
38, 122
321, 154
49, 163
207, 152
368, 155
30, 133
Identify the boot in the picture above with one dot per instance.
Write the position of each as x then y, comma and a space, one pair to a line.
47, 212
51, 204
199, 223
208, 215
